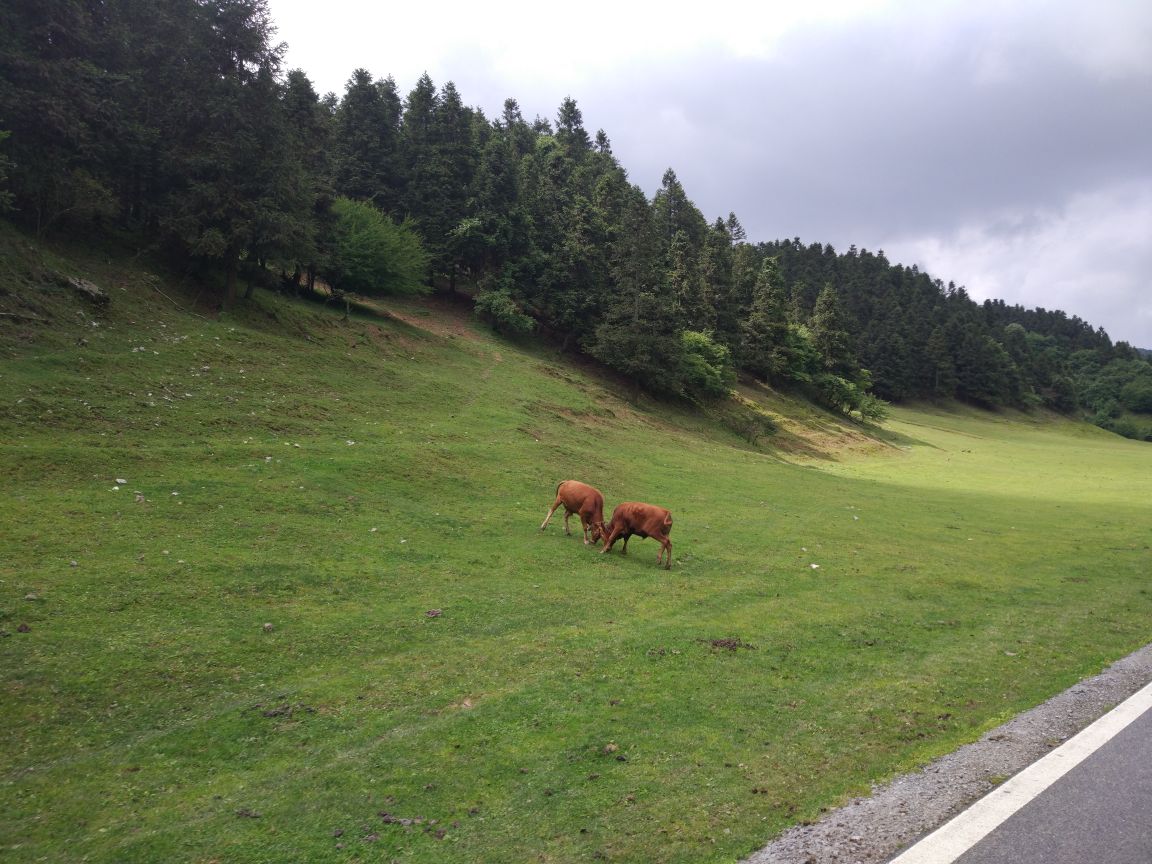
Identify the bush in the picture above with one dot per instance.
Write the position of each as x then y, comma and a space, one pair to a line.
1129, 427
706, 366
1136, 395
838, 393
873, 408
499, 309
372, 254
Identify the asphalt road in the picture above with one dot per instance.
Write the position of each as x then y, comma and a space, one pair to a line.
1100, 812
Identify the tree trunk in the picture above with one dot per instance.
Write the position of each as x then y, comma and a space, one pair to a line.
230, 264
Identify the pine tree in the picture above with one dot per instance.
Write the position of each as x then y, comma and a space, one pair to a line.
456, 153
367, 141
639, 335
692, 297
57, 100
832, 335
603, 145
310, 127
940, 367
764, 334
570, 130
229, 186
735, 229
716, 270
674, 212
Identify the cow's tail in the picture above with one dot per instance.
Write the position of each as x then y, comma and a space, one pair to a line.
668, 524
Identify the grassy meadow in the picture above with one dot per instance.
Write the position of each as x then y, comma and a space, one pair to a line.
272, 589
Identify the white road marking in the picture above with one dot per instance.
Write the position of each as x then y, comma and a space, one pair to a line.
954, 838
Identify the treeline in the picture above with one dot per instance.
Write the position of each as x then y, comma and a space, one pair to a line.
922, 339
173, 120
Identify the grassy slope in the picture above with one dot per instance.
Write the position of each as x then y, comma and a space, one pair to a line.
338, 481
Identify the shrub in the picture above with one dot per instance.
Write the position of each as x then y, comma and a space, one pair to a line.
499, 309
372, 254
707, 366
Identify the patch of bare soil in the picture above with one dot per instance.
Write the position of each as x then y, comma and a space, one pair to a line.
441, 315
730, 643
874, 829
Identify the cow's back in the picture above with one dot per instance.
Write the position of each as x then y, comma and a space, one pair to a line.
640, 518
577, 492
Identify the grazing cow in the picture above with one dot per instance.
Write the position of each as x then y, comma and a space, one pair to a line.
645, 520
580, 498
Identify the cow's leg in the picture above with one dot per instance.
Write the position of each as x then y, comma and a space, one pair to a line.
585, 524
665, 546
547, 518
567, 514
624, 548
609, 539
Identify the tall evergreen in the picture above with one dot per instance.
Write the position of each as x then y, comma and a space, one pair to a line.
639, 334
832, 335
57, 99
310, 127
367, 141
716, 266
570, 131
228, 188
764, 335
690, 292
674, 212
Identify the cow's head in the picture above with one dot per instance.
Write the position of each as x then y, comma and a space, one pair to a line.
598, 532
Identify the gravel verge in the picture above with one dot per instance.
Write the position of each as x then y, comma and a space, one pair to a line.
873, 830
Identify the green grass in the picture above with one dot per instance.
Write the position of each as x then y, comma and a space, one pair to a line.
338, 481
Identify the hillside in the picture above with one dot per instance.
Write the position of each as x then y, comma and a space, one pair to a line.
274, 587
176, 127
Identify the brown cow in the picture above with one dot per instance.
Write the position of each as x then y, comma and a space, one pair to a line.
580, 498
645, 520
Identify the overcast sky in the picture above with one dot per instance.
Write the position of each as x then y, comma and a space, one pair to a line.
1006, 146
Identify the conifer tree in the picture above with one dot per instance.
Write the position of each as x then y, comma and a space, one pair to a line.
716, 270
639, 334
674, 212
832, 335
367, 141
764, 334
735, 229
940, 367
570, 132
691, 294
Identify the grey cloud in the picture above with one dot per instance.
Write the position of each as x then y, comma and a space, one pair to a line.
871, 138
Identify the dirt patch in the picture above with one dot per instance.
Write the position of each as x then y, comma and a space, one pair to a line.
591, 415
438, 314
727, 644
872, 830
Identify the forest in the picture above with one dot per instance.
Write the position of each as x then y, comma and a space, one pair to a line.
172, 126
